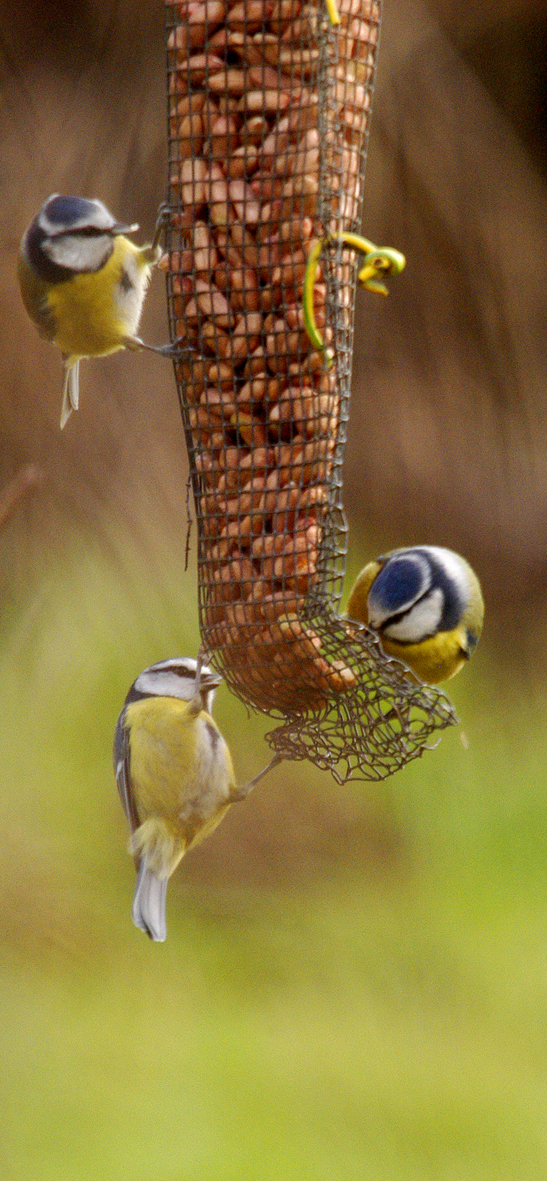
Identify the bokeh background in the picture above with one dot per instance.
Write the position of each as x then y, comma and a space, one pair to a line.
355, 980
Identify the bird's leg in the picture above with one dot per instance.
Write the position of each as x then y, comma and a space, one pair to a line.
241, 793
152, 254
199, 665
171, 351
161, 223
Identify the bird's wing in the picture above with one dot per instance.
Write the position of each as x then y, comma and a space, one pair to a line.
122, 767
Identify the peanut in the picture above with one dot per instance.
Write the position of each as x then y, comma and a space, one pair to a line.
251, 161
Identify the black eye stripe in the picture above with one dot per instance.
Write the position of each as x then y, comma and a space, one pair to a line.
81, 232
400, 615
440, 579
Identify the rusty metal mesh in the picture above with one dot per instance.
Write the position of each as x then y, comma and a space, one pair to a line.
269, 111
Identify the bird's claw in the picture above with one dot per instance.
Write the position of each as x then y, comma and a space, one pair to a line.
174, 350
162, 222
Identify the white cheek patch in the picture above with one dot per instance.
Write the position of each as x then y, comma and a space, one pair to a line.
166, 684
163, 681
78, 252
403, 580
421, 621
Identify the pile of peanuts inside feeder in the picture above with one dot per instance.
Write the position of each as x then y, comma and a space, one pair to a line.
255, 178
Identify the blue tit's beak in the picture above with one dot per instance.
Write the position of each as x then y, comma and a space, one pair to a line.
120, 228
209, 680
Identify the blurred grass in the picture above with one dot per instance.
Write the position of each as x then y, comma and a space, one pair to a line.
354, 982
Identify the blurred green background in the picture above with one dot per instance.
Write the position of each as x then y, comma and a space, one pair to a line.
354, 984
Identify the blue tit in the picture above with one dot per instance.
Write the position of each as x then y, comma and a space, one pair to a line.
426, 605
174, 774
83, 283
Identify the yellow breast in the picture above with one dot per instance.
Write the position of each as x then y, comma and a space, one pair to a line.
163, 754
436, 659
94, 312
175, 767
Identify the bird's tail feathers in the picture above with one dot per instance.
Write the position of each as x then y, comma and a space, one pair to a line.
71, 389
148, 910
157, 853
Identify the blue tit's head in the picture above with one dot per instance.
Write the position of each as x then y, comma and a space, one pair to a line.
69, 236
421, 591
176, 678
426, 604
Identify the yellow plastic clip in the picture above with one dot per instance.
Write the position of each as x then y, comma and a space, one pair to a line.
307, 298
332, 12
380, 262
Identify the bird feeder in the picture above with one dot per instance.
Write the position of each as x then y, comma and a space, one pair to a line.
269, 108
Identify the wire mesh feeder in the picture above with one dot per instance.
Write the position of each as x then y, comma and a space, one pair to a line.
269, 109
